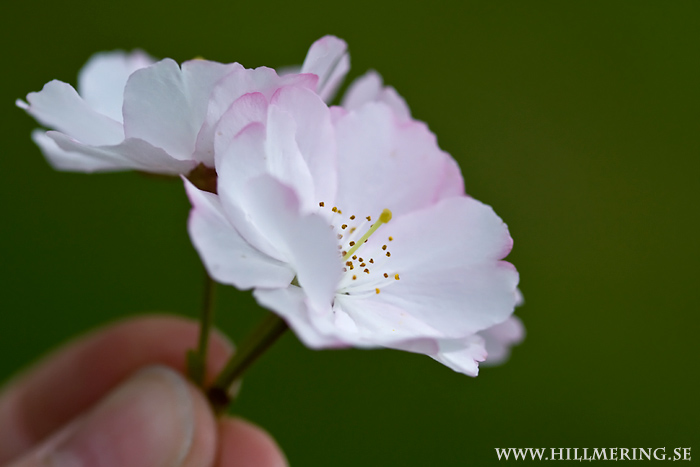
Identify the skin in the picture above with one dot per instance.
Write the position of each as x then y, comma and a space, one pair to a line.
117, 396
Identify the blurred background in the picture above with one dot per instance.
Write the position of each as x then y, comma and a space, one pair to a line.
577, 121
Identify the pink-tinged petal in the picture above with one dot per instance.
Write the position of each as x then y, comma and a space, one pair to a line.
452, 183
229, 259
102, 80
58, 106
239, 161
328, 59
462, 355
370, 88
385, 163
166, 105
305, 241
447, 258
130, 154
247, 109
291, 304
230, 88
500, 338
71, 160
284, 160
378, 323
314, 136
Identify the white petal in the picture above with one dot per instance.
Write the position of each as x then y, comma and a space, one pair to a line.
328, 59
385, 163
230, 88
240, 160
314, 136
284, 160
102, 80
447, 257
292, 305
229, 259
58, 106
463, 355
130, 154
500, 338
71, 160
306, 241
370, 88
166, 106
247, 109
378, 323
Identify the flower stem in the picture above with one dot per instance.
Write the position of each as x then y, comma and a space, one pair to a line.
267, 332
197, 359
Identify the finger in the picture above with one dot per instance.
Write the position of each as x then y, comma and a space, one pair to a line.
156, 418
242, 444
71, 379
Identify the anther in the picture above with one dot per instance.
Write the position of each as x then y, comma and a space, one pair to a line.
321, 204
348, 263
396, 276
340, 236
383, 247
386, 275
352, 243
352, 218
367, 271
388, 254
354, 277
362, 265
344, 226
361, 260
376, 290
342, 252
352, 229
334, 209
369, 218
391, 239
371, 260
354, 256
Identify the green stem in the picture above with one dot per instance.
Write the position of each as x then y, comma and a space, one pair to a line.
197, 359
271, 328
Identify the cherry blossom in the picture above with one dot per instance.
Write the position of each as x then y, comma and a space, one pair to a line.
353, 226
131, 112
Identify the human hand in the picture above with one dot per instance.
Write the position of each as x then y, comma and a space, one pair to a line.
117, 397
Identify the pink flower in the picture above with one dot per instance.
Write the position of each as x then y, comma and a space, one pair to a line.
299, 187
132, 113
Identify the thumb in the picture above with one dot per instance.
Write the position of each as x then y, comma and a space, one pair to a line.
155, 418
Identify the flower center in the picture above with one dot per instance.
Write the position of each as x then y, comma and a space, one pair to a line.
361, 260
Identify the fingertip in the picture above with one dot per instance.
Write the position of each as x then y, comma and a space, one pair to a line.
243, 444
202, 451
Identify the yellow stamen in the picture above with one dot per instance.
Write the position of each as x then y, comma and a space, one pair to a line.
396, 276
376, 290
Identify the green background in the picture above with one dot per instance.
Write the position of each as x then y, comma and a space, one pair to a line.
577, 121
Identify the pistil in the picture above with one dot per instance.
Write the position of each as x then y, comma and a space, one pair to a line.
384, 217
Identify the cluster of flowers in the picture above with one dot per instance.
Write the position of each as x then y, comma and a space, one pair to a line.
347, 221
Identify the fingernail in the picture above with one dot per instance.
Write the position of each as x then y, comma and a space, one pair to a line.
147, 421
